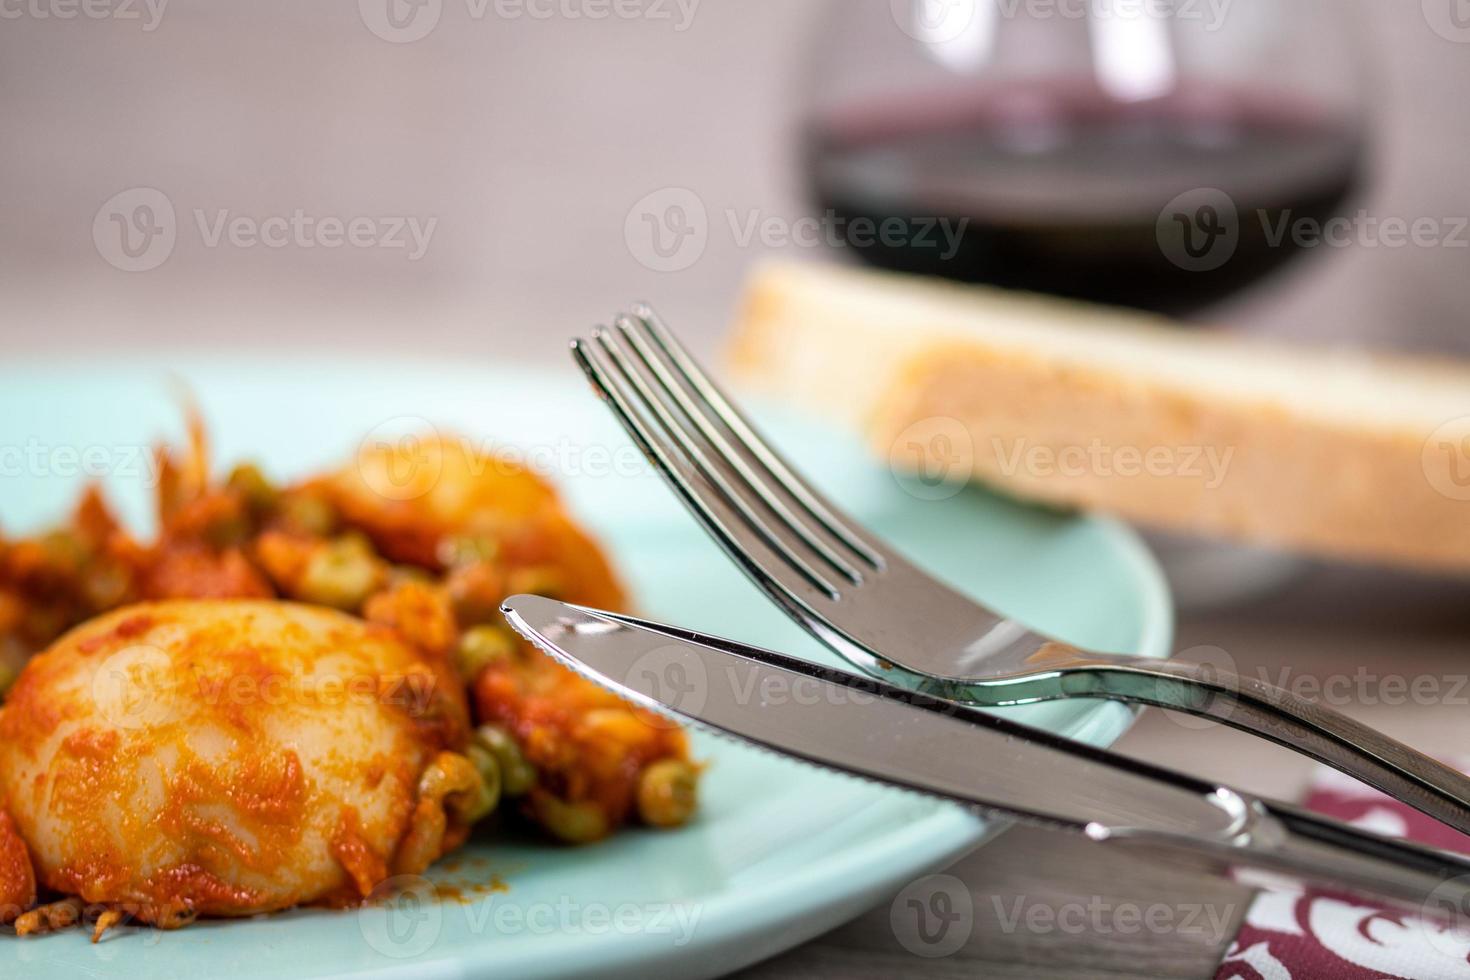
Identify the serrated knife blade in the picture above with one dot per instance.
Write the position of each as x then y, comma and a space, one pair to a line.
854, 724
868, 729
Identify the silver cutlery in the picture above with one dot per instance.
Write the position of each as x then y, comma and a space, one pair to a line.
866, 728
892, 620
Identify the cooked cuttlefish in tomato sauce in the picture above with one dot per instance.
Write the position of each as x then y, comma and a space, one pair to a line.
294, 693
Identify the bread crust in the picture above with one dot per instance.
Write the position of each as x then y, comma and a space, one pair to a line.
1045, 423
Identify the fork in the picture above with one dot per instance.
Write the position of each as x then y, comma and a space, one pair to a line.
892, 620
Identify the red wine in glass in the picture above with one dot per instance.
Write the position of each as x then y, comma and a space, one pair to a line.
1063, 190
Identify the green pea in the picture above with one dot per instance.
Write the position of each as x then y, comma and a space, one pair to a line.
310, 513
248, 481
466, 549
575, 823
482, 802
480, 647
517, 776
341, 574
668, 792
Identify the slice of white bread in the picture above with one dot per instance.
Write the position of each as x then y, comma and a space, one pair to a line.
1329, 452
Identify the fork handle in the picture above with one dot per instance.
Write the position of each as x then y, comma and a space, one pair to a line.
1280, 716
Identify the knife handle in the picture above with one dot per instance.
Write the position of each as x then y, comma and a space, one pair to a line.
1275, 714
1307, 849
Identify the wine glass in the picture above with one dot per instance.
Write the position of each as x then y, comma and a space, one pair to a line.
1147, 153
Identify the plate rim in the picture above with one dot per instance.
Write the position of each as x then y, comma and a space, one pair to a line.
840, 880
945, 834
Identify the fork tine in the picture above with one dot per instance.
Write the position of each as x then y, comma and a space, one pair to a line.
777, 536
677, 389
749, 438
744, 538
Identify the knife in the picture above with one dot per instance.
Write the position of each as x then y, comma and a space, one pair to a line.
865, 728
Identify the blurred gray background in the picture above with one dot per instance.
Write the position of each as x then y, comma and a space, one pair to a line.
527, 141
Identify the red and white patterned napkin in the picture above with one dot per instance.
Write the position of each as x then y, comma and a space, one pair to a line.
1316, 934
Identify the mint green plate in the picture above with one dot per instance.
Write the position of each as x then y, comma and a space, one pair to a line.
780, 853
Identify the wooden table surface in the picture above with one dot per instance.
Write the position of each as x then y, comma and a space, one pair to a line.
529, 142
